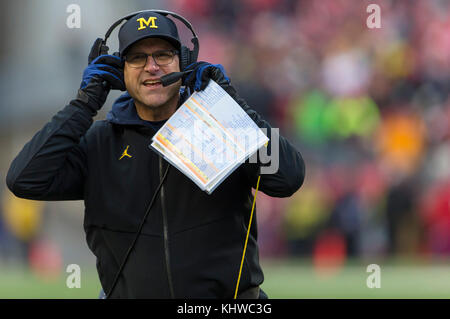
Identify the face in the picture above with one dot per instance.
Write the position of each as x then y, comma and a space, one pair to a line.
140, 82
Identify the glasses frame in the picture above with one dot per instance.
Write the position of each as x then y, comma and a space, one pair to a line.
175, 52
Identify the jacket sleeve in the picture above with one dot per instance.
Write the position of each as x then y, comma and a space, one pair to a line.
52, 165
289, 176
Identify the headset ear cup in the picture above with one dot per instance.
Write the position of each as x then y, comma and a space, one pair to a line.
185, 57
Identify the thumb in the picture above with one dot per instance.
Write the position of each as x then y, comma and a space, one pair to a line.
95, 50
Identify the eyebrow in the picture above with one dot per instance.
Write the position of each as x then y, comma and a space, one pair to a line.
136, 52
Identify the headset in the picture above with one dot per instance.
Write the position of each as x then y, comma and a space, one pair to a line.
187, 56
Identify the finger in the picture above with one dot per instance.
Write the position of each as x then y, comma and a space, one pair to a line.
206, 76
95, 50
198, 77
111, 78
194, 65
189, 81
220, 74
108, 68
204, 84
203, 76
109, 59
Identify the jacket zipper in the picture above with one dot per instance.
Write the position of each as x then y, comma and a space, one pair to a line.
166, 232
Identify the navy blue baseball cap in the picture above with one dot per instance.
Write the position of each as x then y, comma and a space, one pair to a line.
147, 25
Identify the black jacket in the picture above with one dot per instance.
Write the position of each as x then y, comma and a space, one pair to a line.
191, 244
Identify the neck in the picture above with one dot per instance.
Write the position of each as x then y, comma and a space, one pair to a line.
160, 113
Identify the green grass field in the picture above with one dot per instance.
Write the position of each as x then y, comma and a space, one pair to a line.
399, 279
283, 279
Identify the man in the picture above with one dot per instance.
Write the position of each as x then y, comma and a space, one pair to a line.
190, 245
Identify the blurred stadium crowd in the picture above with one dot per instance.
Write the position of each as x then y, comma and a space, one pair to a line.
369, 109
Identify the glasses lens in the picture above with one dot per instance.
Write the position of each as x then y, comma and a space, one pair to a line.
137, 60
163, 57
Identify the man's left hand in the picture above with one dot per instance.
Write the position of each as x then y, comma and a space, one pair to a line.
202, 72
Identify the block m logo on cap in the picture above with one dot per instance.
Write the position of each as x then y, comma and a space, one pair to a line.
149, 23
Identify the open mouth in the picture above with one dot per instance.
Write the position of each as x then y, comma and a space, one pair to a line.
152, 83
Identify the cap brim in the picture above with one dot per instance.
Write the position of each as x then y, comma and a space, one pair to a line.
172, 40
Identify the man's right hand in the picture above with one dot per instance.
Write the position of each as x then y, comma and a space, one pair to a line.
103, 73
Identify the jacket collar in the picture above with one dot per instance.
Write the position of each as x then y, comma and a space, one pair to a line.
123, 111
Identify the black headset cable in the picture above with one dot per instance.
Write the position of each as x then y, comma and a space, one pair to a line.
108, 295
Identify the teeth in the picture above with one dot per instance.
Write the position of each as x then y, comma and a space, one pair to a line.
152, 82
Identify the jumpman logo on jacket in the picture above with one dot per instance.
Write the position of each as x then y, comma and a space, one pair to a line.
125, 153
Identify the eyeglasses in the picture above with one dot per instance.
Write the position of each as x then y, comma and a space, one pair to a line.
161, 58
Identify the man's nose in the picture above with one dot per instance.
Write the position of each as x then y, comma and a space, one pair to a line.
150, 65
